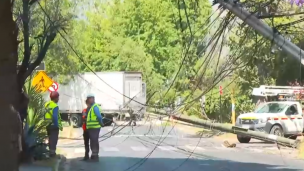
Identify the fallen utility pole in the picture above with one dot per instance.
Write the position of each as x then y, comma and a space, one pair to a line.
242, 131
263, 29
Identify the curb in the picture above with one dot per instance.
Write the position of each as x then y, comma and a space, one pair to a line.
59, 162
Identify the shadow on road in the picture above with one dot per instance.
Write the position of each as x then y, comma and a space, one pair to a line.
168, 164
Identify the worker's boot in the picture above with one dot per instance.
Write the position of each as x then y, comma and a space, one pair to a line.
86, 157
95, 158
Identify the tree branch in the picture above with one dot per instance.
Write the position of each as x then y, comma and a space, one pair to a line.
49, 39
32, 2
290, 23
26, 42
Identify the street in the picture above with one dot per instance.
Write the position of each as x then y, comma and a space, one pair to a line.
144, 148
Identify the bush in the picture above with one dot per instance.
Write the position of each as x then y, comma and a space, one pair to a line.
34, 132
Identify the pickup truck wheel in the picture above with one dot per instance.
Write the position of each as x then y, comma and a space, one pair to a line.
277, 130
75, 120
242, 139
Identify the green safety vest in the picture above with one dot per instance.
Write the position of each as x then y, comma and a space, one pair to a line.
92, 121
49, 114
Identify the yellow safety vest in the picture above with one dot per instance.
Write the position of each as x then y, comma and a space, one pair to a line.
92, 121
50, 106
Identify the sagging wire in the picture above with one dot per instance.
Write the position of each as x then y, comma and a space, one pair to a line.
81, 59
159, 142
153, 149
142, 161
189, 155
89, 67
164, 129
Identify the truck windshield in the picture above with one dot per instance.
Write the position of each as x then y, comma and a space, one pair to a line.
271, 108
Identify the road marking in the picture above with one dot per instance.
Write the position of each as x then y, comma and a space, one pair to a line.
79, 150
163, 136
256, 150
139, 148
279, 167
110, 149
194, 148
167, 148
271, 148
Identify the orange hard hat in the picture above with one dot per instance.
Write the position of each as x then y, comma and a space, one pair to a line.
54, 94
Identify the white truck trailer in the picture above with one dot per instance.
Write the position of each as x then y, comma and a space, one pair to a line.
115, 92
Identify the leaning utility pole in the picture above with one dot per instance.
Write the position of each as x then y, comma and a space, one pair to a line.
234, 129
240, 131
263, 29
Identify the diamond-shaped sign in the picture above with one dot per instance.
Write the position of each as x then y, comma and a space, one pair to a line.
42, 82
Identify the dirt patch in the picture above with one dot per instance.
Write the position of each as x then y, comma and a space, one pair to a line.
227, 137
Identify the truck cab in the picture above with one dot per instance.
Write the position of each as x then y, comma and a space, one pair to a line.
282, 115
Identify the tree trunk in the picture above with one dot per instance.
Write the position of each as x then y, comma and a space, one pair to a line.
9, 94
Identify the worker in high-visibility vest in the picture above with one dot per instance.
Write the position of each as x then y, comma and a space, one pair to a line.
86, 137
53, 117
93, 125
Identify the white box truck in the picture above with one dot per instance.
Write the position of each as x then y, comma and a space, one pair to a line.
115, 92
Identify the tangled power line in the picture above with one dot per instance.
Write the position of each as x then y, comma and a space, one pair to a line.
218, 38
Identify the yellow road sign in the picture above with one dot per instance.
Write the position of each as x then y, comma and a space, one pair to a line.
41, 81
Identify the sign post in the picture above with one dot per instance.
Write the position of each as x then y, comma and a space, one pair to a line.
232, 108
221, 93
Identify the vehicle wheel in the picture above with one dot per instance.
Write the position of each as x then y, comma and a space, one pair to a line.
277, 130
75, 120
242, 139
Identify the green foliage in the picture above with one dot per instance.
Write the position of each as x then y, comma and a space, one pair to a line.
222, 107
265, 63
45, 18
143, 35
35, 127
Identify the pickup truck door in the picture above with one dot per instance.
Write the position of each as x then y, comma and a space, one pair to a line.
290, 122
298, 120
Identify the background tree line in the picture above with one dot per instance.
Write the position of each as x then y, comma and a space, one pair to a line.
160, 38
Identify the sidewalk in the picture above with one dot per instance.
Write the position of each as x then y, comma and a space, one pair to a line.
34, 168
44, 165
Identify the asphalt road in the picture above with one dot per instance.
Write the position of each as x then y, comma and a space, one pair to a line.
149, 148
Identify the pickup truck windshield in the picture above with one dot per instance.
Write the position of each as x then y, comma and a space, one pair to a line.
271, 108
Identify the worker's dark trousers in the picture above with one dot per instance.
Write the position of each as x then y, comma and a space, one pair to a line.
94, 142
53, 133
86, 139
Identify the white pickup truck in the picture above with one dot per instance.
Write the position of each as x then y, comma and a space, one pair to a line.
282, 118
